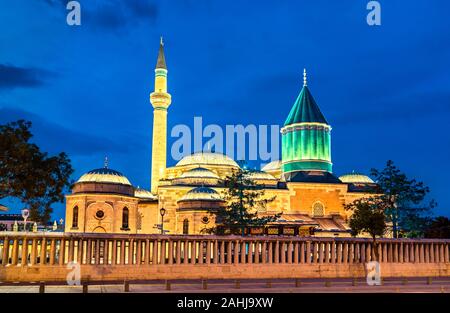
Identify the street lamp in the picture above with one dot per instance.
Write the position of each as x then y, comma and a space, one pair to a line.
25, 214
162, 211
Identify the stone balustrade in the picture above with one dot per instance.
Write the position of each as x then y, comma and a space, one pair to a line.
52, 250
100, 249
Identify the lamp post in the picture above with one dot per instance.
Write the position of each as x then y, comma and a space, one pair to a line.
25, 214
162, 211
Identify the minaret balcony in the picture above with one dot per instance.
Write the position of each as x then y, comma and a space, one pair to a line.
160, 99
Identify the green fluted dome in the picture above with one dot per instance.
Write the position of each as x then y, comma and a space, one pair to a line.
306, 138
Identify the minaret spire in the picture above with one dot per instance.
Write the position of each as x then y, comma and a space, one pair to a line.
304, 78
161, 62
105, 164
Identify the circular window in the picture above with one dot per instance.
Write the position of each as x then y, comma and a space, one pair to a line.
205, 220
100, 214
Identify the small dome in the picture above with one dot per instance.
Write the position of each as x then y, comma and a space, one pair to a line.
356, 178
104, 175
207, 158
144, 194
272, 166
260, 175
201, 194
199, 172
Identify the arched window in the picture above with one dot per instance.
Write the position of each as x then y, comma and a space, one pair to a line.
125, 215
318, 209
186, 227
75, 217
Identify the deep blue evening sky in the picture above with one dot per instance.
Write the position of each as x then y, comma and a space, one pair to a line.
384, 89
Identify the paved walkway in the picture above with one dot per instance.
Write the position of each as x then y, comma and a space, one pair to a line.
411, 285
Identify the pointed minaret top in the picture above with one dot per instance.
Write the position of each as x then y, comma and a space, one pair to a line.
106, 162
304, 78
161, 62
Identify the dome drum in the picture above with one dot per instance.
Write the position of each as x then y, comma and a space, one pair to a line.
95, 187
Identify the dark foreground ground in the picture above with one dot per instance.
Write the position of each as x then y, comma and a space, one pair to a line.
394, 285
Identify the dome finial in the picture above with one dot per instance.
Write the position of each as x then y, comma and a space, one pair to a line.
161, 42
106, 162
304, 78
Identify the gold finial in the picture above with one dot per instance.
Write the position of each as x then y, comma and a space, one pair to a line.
304, 77
106, 162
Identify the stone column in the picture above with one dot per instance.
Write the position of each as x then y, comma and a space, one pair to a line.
446, 253
15, 251
229, 251
52, 251
321, 247
43, 252
139, 252
236, 252
170, 256
216, 252
256, 252
208, 252
24, 260
345, 254
314, 252
339, 252
163, 252
270, 260
243, 252
114, 252
302, 252
5, 256
222, 252
296, 244
308, 252
277, 252
333, 246
283, 252
406, 248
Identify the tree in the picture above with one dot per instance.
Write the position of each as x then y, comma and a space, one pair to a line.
401, 197
438, 228
367, 217
244, 199
30, 175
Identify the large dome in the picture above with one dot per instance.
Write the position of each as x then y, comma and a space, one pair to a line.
144, 194
356, 178
272, 166
104, 175
260, 175
199, 172
207, 158
201, 194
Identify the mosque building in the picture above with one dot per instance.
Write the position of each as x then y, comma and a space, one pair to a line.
183, 196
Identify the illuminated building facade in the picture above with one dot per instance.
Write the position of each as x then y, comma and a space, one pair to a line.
303, 185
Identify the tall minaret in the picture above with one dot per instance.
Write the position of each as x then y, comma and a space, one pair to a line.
160, 100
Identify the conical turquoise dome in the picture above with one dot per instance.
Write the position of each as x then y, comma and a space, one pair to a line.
306, 138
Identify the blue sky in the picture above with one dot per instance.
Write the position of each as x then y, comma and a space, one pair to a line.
384, 89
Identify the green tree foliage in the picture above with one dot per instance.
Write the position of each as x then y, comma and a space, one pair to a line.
367, 217
438, 228
244, 200
401, 197
30, 175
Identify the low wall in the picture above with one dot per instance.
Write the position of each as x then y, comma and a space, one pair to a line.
121, 272
48, 257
